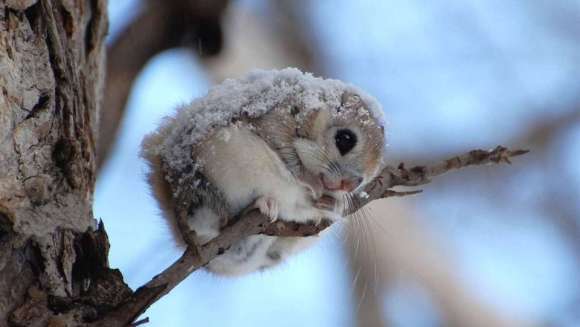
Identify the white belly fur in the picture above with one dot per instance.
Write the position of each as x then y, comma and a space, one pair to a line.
243, 167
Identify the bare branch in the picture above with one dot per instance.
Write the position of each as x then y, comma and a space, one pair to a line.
253, 222
420, 175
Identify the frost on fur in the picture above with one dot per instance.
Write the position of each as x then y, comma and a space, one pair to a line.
298, 147
250, 96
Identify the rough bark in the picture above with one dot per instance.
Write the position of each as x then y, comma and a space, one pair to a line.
53, 257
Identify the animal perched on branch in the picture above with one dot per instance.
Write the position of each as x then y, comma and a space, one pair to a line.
297, 147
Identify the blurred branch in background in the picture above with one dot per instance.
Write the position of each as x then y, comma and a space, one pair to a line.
161, 25
556, 196
283, 35
266, 40
560, 201
397, 247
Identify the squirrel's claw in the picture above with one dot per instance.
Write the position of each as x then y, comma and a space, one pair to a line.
268, 206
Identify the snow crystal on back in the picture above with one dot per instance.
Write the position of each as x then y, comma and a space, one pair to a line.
253, 95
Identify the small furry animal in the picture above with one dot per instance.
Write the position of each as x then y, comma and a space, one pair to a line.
297, 147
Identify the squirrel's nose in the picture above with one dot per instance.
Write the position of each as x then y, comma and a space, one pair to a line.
345, 184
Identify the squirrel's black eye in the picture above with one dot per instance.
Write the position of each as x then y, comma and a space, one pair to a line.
345, 140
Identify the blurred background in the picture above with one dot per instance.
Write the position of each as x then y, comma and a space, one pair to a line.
488, 246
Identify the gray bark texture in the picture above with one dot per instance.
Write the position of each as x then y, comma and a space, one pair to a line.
53, 254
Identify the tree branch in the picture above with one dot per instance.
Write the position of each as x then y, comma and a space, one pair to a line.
390, 177
253, 222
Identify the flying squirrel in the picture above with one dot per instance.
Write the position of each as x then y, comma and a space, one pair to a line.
296, 147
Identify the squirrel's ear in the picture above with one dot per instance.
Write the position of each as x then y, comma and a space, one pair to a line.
307, 128
321, 121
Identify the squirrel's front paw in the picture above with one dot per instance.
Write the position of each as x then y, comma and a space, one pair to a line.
268, 206
312, 184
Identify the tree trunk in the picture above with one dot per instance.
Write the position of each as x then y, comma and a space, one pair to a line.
53, 256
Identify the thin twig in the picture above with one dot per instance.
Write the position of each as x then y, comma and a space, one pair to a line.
253, 222
391, 176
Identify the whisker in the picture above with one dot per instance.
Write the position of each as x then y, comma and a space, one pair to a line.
363, 218
362, 296
373, 251
333, 166
356, 238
